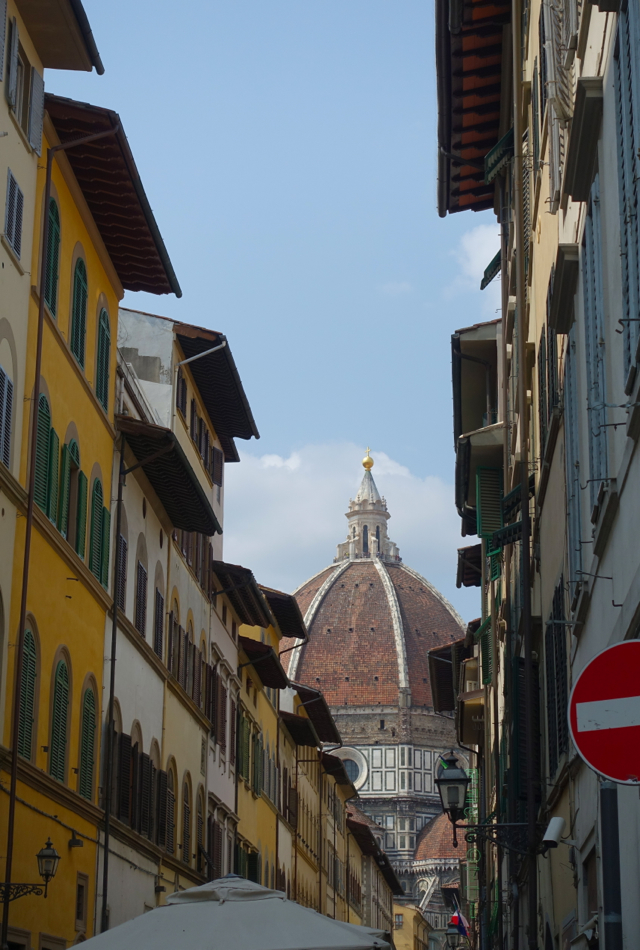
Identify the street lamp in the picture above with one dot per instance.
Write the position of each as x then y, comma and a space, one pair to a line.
453, 936
48, 859
452, 782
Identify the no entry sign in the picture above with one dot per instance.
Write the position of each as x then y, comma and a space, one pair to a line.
604, 713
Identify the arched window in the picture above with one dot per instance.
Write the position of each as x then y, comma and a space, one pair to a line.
95, 541
378, 538
53, 255
77, 530
365, 539
186, 824
87, 744
27, 696
79, 311
103, 357
59, 717
41, 491
171, 813
99, 536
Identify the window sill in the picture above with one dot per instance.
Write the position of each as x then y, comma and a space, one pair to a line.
12, 254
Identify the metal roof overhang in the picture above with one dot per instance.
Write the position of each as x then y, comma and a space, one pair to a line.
219, 384
469, 566
318, 711
265, 660
300, 729
170, 474
284, 608
111, 185
61, 34
241, 588
469, 66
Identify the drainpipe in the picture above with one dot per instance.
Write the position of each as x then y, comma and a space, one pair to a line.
33, 442
530, 726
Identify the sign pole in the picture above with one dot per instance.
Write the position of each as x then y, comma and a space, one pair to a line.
610, 838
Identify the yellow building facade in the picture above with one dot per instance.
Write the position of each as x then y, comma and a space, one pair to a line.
68, 598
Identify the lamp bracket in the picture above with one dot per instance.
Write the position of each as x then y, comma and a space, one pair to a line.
11, 892
509, 835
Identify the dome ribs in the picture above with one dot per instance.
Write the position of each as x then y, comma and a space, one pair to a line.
427, 622
351, 649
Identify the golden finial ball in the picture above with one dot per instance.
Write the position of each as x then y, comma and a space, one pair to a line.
367, 461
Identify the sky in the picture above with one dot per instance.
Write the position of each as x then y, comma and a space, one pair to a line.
288, 149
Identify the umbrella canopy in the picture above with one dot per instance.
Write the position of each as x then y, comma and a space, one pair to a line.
233, 912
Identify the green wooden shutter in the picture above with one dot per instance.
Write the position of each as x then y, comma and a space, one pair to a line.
87, 744
95, 530
484, 637
54, 475
27, 696
60, 713
65, 485
104, 355
53, 254
81, 515
104, 552
41, 491
489, 501
79, 311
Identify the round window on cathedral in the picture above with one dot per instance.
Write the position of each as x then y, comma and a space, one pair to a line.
352, 769
355, 765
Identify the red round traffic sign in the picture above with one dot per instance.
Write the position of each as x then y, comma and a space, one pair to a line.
604, 713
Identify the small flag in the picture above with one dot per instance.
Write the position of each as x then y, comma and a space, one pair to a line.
460, 922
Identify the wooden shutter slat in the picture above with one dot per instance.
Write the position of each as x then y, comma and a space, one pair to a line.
95, 531
124, 778
171, 808
104, 356
158, 624
79, 312
145, 795
27, 696
121, 586
87, 744
53, 253
81, 514
54, 475
161, 809
65, 484
6, 408
104, 549
41, 488
232, 737
60, 712
141, 599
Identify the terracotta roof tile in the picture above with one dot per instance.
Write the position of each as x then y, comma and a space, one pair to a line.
436, 841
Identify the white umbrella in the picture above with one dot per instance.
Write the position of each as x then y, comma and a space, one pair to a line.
234, 914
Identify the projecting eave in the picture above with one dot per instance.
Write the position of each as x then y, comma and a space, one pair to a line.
470, 71
61, 33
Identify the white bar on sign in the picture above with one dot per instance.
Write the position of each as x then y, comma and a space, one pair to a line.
608, 714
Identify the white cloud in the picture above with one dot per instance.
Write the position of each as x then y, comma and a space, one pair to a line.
476, 249
284, 516
396, 288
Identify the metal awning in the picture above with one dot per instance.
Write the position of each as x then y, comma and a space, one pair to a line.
107, 175
496, 159
170, 474
315, 705
284, 608
300, 729
219, 385
241, 588
469, 566
266, 663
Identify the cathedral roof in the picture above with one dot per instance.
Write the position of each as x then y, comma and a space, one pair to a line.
371, 620
435, 841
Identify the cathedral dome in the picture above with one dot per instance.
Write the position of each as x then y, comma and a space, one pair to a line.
371, 619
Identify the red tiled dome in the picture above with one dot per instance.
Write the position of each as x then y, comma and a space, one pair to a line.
435, 841
371, 623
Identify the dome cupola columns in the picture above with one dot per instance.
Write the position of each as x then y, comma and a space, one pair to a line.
367, 518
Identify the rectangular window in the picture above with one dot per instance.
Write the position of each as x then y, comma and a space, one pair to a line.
217, 466
13, 214
82, 892
141, 599
399, 921
6, 406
